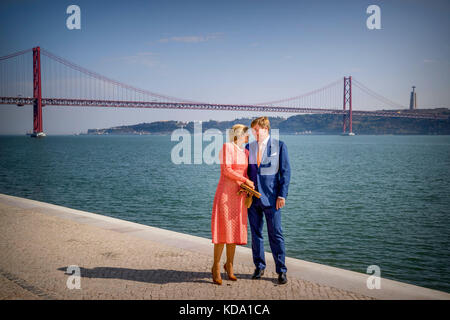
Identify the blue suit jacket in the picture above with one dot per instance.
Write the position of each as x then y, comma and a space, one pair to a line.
272, 177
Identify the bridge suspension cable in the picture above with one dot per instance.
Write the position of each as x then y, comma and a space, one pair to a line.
375, 95
109, 80
302, 96
12, 55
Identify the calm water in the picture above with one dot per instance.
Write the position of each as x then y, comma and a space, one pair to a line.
353, 201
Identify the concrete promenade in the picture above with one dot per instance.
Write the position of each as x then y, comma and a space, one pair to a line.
124, 260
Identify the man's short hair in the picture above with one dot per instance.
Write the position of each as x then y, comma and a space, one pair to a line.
262, 122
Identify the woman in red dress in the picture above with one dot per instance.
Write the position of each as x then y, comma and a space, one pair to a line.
229, 212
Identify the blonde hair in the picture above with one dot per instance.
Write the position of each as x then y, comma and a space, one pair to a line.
237, 131
263, 122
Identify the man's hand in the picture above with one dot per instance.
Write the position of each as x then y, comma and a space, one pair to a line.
280, 203
250, 183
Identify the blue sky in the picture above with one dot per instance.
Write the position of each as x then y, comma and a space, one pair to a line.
243, 51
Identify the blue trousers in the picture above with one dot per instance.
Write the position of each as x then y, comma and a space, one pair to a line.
275, 231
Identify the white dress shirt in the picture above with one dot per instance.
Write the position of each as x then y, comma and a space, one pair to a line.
262, 146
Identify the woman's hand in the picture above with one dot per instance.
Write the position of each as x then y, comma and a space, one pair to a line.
250, 183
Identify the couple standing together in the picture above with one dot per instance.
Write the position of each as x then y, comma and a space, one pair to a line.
262, 165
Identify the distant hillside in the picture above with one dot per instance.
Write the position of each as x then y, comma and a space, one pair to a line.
332, 124
301, 124
166, 127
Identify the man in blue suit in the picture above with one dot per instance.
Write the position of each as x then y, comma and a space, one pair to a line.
270, 171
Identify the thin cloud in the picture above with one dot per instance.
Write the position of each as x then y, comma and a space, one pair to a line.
148, 59
191, 39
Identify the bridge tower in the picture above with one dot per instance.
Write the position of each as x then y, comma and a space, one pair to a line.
347, 117
37, 94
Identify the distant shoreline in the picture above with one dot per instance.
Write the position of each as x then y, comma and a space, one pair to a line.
168, 134
302, 124
311, 124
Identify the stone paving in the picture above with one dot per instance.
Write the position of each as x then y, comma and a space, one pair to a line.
37, 248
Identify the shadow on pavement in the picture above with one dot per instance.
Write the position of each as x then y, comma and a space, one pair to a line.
158, 276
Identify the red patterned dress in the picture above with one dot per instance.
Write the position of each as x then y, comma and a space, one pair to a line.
229, 212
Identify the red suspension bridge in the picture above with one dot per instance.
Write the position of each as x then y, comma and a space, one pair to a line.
58, 82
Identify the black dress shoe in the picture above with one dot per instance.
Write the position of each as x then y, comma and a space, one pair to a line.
258, 273
282, 278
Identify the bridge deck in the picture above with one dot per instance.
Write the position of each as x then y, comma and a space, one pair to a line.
207, 106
